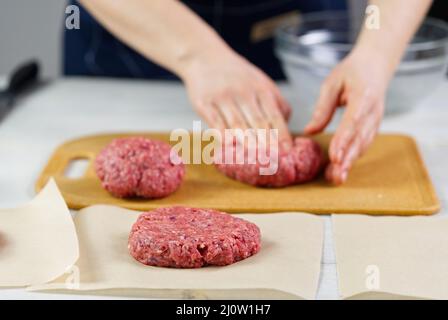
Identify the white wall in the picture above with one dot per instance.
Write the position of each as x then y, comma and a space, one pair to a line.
31, 28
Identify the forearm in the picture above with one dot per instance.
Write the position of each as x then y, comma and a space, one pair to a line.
398, 22
165, 31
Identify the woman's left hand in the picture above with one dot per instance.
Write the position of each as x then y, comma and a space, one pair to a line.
359, 82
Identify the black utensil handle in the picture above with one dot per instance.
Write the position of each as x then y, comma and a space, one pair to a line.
23, 76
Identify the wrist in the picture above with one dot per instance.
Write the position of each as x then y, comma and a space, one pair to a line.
382, 50
196, 62
379, 60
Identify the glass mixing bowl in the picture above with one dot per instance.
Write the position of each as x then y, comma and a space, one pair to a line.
310, 49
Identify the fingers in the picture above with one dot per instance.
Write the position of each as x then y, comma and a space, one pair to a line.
268, 105
353, 152
335, 174
362, 140
248, 111
252, 112
357, 110
285, 108
212, 116
372, 129
326, 105
365, 128
283, 105
233, 117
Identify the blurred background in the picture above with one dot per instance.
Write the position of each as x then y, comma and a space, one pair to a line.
30, 28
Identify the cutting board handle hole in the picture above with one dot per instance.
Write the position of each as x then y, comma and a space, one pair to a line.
76, 168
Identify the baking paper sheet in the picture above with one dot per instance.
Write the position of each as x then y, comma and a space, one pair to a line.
288, 265
391, 257
37, 241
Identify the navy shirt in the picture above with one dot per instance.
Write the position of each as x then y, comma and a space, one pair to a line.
93, 51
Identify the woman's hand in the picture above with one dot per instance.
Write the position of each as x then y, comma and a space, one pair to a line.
224, 88
227, 91
359, 83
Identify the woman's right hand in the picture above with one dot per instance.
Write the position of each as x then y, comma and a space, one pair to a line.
224, 88
228, 92
361, 87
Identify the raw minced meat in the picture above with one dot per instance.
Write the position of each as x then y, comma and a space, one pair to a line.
182, 237
300, 164
139, 167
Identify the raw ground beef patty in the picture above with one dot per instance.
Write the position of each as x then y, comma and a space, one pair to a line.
138, 167
182, 237
300, 164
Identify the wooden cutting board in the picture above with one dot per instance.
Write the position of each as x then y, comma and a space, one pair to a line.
390, 178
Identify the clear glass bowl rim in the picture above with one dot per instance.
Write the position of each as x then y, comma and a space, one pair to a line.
283, 34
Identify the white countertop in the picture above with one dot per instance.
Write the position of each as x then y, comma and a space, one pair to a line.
69, 108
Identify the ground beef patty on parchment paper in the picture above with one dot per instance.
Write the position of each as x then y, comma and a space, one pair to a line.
182, 237
138, 167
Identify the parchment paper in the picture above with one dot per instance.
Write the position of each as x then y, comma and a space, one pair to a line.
37, 241
391, 257
287, 266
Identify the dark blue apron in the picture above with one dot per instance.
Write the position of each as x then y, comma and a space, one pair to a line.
93, 51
